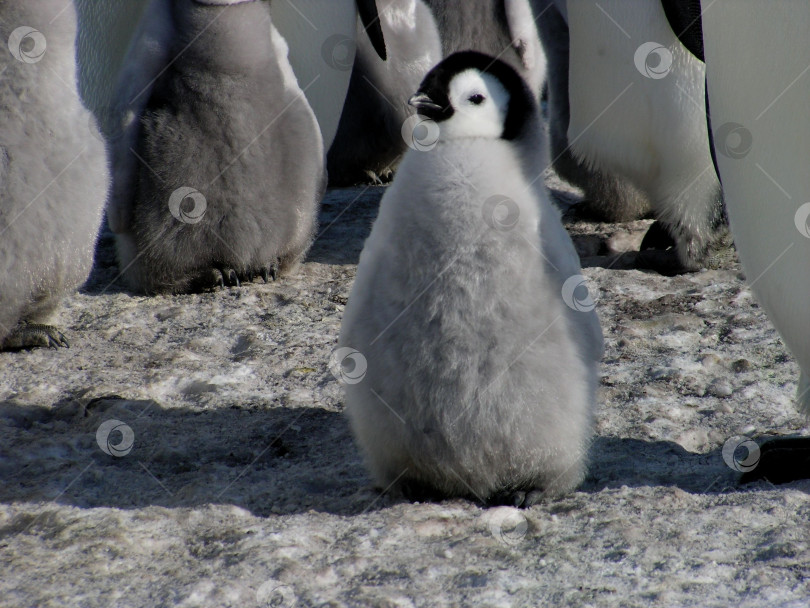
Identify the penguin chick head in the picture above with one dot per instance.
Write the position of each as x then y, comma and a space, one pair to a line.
471, 94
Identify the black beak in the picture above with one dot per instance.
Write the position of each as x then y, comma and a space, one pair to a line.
426, 106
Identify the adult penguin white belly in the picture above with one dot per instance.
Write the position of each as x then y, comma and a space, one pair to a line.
106, 28
758, 96
637, 110
320, 34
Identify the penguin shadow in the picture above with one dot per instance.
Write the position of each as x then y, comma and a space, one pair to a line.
617, 462
105, 274
344, 223
112, 452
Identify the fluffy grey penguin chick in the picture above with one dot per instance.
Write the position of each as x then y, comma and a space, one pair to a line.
369, 142
502, 28
220, 167
481, 352
53, 171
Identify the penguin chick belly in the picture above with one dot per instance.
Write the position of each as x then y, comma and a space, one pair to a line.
470, 342
234, 150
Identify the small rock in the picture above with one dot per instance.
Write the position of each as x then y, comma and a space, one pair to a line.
741, 365
720, 388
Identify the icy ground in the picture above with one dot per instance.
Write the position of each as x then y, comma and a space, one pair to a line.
242, 486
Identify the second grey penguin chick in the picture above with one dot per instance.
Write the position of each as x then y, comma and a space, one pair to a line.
475, 354
369, 142
53, 171
220, 168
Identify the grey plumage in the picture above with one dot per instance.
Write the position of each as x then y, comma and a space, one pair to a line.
219, 169
53, 173
501, 28
479, 378
369, 142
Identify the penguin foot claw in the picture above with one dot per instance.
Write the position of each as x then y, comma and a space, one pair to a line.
35, 335
781, 461
225, 277
520, 499
270, 272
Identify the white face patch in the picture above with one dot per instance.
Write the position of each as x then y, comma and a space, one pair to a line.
480, 102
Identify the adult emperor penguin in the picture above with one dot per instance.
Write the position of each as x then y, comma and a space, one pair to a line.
502, 28
53, 171
637, 111
369, 142
475, 356
220, 167
758, 106
106, 28
607, 197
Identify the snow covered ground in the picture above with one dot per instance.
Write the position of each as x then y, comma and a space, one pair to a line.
236, 482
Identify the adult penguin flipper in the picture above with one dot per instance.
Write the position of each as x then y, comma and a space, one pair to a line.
370, 18
147, 57
523, 30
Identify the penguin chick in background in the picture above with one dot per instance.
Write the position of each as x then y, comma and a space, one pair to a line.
53, 171
369, 142
220, 168
481, 354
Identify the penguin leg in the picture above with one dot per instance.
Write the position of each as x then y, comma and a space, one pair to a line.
781, 461
35, 335
270, 272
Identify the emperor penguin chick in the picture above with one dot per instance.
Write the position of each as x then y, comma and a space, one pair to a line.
220, 167
53, 171
480, 352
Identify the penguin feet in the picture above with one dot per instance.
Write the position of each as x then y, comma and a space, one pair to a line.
520, 499
659, 252
35, 335
781, 461
225, 277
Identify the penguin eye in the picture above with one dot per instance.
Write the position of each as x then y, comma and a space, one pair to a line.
476, 99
